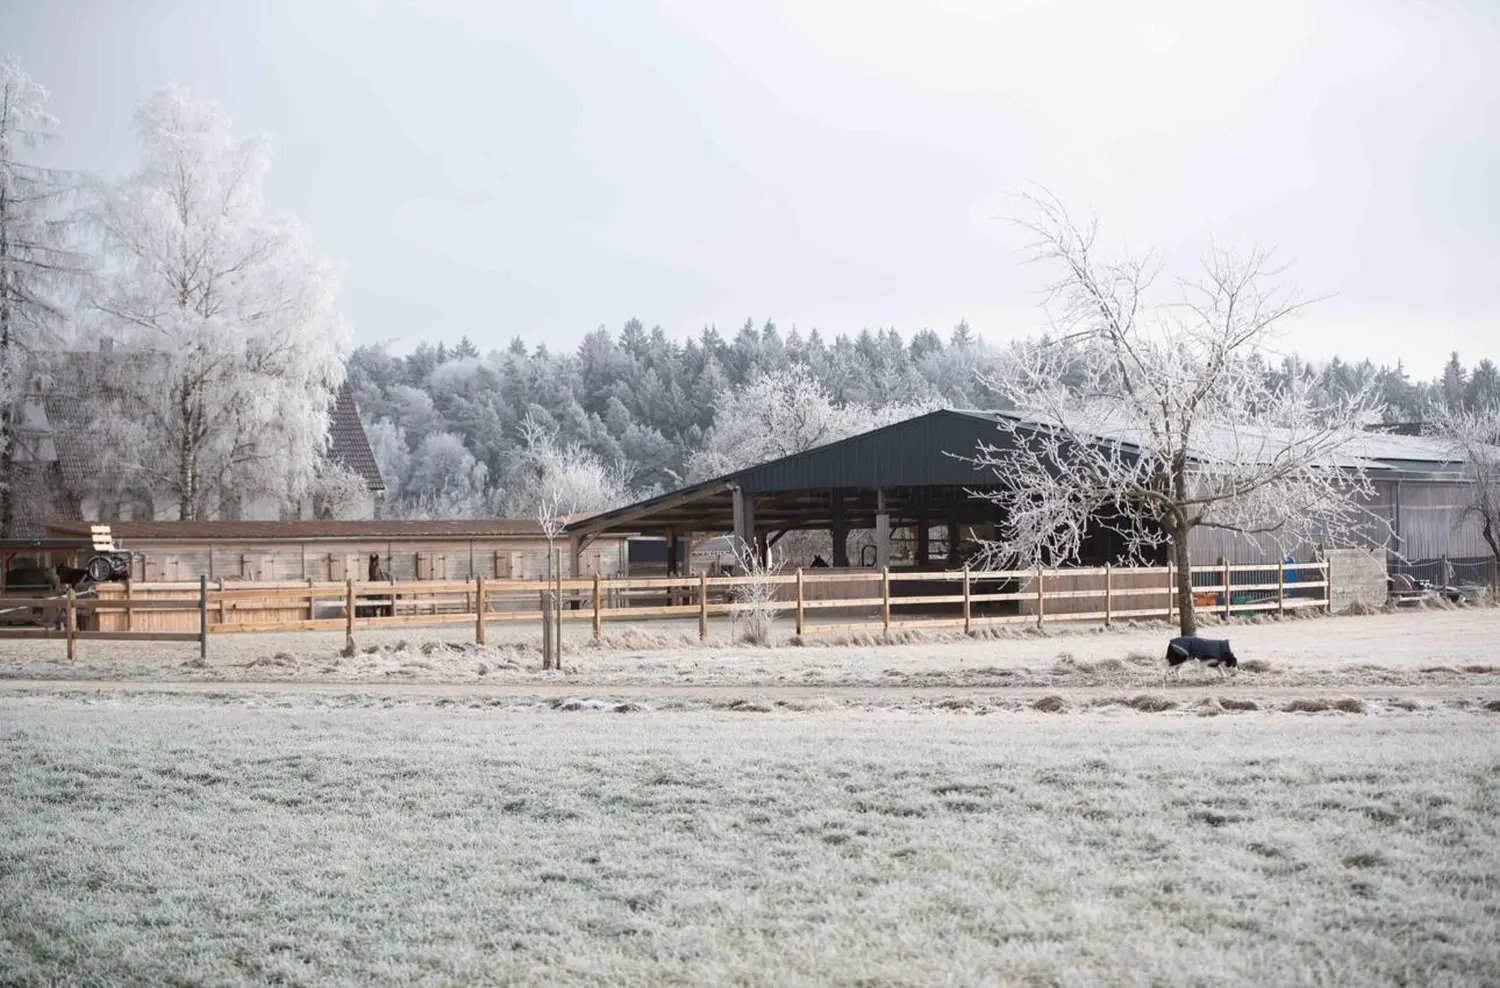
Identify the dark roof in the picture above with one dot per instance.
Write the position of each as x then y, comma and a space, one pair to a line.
348, 445
924, 465
66, 417
292, 531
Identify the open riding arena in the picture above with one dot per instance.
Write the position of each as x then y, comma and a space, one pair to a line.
1021, 802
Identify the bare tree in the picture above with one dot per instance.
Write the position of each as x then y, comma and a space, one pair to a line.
1152, 420
1475, 435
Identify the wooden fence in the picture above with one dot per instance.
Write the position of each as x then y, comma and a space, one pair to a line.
860, 601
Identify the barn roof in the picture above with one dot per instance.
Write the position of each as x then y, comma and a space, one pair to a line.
296, 531
929, 460
348, 445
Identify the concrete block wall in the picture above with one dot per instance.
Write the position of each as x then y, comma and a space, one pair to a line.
1357, 576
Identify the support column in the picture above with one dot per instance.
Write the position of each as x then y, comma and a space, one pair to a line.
953, 530
671, 541
924, 544
840, 532
882, 531
744, 519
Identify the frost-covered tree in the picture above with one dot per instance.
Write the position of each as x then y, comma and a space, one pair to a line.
1156, 419
338, 493
445, 480
781, 413
1475, 435
229, 344
35, 258
551, 480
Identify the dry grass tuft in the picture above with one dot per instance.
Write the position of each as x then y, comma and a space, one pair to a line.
1361, 609
1234, 703
1305, 707
1255, 665
1493, 706
1149, 703
1481, 669
1050, 705
1141, 659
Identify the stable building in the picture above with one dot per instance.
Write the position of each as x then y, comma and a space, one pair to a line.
915, 497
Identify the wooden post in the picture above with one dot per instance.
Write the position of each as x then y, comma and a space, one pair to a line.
348, 611
1041, 598
885, 599
312, 607
1171, 588
479, 606
202, 618
222, 606
702, 606
1281, 587
598, 611
1227, 611
129, 614
546, 632
1108, 595
967, 596
557, 600
799, 601
70, 622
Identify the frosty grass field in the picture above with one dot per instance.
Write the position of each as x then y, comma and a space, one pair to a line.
809, 816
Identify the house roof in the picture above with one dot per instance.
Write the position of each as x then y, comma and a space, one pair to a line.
295, 531
348, 445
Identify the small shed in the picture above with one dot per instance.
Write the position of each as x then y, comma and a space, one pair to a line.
263, 551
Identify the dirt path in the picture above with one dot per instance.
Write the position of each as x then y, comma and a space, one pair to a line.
854, 693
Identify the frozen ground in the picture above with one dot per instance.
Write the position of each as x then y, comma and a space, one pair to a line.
299, 838
1457, 650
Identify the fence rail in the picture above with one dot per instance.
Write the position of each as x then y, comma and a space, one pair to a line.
968, 599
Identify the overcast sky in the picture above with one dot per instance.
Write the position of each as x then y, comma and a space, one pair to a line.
543, 168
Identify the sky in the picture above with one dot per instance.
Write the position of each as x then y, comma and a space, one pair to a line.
502, 169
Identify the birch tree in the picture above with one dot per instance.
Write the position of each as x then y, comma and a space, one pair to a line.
1153, 419
552, 481
35, 259
230, 343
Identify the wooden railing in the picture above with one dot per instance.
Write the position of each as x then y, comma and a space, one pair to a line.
874, 598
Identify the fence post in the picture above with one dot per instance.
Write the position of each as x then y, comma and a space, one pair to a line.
129, 613
1227, 611
598, 611
70, 621
479, 606
546, 632
1041, 598
1108, 595
202, 618
223, 612
557, 603
703, 607
885, 599
799, 601
1172, 587
348, 610
967, 601
1281, 587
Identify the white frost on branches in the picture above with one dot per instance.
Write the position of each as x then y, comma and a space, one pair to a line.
780, 413
1474, 435
36, 261
550, 481
230, 345
1158, 418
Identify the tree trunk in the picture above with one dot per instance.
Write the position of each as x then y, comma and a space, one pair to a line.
1187, 618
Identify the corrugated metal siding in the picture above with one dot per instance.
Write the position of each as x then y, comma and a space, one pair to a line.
1432, 522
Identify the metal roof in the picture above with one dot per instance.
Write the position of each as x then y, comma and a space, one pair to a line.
933, 451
